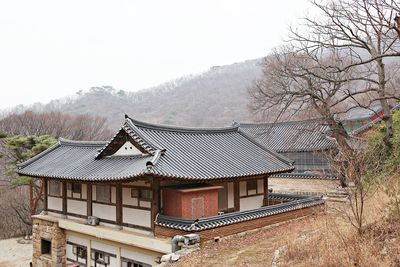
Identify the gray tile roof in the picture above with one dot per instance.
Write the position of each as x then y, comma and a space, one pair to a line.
170, 152
296, 202
291, 136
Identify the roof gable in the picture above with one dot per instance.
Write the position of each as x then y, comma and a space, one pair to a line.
129, 133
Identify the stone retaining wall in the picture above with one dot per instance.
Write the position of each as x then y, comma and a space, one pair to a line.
48, 230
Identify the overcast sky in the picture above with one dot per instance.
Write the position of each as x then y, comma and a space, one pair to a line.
50, 49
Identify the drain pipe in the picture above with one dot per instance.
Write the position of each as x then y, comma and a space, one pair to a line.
175, 240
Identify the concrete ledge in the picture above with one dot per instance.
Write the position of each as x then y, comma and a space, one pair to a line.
161, 245
120, 236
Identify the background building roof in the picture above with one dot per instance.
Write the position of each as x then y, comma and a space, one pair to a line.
291, 136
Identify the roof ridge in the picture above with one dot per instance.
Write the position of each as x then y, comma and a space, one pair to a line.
239, 124
172, 128
146, 139
68, 142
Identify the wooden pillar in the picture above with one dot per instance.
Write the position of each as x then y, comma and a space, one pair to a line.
89, 198
236, 195
45, 194
155, 201
119, 204
64, 198
266, 202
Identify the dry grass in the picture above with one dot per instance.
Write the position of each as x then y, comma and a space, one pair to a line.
321, 240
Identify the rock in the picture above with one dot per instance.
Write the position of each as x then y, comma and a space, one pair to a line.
174, 257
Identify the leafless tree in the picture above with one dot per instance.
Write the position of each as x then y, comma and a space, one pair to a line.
365, 33
56, 124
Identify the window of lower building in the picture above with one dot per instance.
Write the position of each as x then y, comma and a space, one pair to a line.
74, 190
145, 194
103, 193
251, 187
79, 251
55, 188
132, 263
45, 246
100, 257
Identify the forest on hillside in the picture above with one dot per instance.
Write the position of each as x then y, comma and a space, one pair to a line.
215, 97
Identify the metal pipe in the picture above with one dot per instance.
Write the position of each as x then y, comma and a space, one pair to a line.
175, 240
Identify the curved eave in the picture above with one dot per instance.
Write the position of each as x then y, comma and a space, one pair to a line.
149, 173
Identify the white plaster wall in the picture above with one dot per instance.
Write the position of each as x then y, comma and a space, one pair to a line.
104, 211
84, 191
231, 203
104, 247
126, 197
138, 256
136, 216
243, 188
127, 149
249, 203
78, 240
76, 206
54, 203
145, 204
260, 186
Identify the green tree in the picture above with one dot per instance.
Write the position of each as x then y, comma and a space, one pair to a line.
17, 149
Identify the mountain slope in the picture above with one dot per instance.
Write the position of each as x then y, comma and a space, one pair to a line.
213, 98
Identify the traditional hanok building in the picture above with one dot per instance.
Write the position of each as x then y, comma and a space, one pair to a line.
305, 142
118, 203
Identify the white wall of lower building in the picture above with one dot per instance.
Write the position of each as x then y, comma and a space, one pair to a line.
136, 216
120, 250
137, 256
54, 203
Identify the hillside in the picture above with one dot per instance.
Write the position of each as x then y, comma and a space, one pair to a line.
212, 98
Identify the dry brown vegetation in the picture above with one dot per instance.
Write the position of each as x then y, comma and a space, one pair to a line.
321, 240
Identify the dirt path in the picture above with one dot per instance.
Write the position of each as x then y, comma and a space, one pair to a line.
14, 254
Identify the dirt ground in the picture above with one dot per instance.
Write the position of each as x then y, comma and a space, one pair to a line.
14, 254
253, 249
270, 246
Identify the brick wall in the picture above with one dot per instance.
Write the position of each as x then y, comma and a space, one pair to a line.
243, 226
178, 203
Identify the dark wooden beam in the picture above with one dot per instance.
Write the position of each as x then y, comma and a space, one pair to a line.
155, 201
236, 195
64, 198
119, 204
45, 194
89, 199
266, 191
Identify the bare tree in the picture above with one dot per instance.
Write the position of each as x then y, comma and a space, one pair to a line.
365, 33
56, 124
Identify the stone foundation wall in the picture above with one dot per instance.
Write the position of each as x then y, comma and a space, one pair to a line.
48, 230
